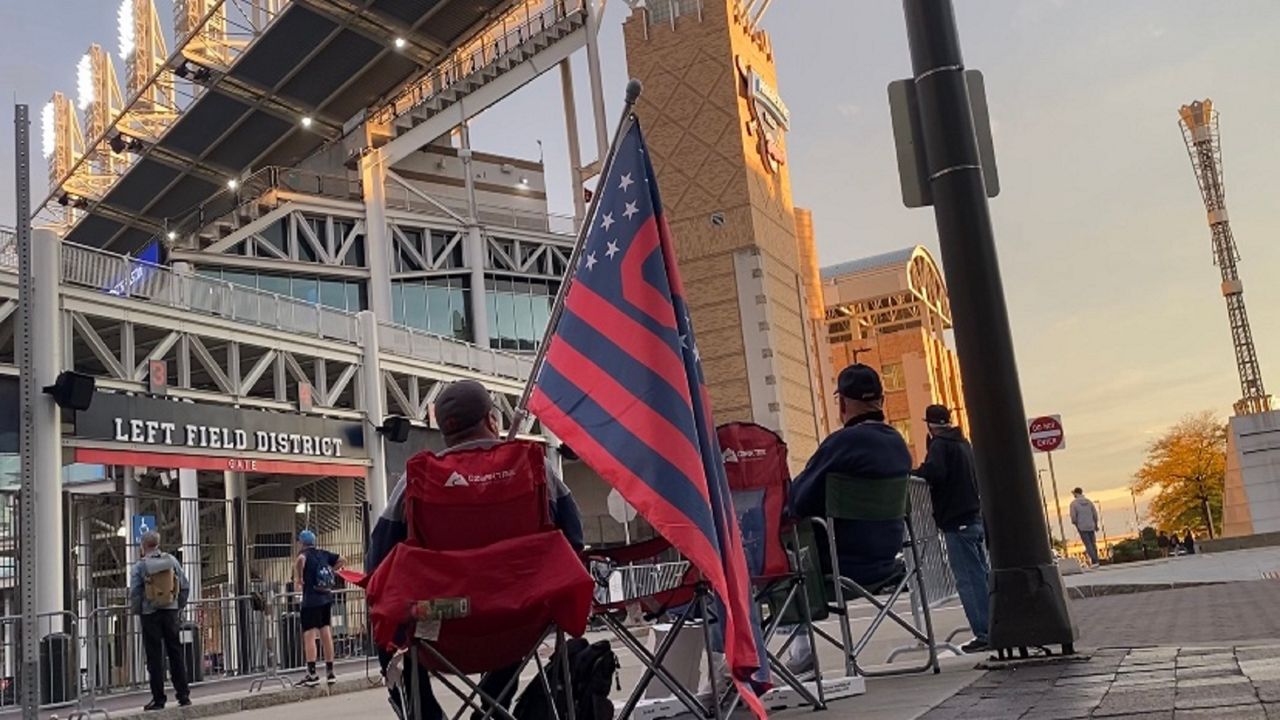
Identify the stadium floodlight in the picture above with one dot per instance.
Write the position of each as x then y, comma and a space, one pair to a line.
84, 82
400, 43
306, 121
232, 184
124, 24
48, 137
172, 235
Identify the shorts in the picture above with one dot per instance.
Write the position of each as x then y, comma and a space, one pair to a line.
314, 618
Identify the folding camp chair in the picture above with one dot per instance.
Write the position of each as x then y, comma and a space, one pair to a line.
662, 588
864, 499
483, 578
755, 461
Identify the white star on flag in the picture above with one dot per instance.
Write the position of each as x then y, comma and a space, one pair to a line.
607, 221
591, 261
684, 341
613, 249
631, 210
626, 182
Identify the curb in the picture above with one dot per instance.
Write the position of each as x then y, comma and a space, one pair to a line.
249, 701
1080, 592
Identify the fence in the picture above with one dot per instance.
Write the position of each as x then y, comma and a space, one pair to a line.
934, 567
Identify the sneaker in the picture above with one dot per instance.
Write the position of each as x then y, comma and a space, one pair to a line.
309, 680
153, 705
332, 679
801, 667
184, 702
975, 646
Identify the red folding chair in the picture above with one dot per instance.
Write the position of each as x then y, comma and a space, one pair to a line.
755, 461
483, 578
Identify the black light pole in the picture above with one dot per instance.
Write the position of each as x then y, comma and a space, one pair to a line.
1028, 606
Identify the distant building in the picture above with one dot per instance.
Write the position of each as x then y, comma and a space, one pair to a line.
891, 312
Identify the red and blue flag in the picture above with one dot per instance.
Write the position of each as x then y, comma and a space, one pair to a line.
622, 385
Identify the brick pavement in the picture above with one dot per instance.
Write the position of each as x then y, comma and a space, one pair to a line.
1159, 683
1225, 614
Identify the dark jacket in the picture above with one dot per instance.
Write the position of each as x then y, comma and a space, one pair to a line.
391, 529
953, 480
865, 448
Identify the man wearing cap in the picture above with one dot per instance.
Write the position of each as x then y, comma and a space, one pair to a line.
957, 511
467, 419
865, 448
315, 571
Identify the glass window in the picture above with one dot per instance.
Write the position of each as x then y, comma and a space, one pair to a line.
274, 284
305, 289
397, 303
333, 294
356, 299
461, 328
904, 429
893, 377
541, 316
524, 321
506, 328
415, 306
355, 255
275, 235
215, 273
491, 306
240, 278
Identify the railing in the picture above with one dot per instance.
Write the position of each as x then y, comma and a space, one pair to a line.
514, 29
403, 198
430, 347
221, 637
126, 277
57, 634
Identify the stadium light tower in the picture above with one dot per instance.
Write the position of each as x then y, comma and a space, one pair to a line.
1199, 123
142, 47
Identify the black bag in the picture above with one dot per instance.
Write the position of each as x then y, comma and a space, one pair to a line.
594, 667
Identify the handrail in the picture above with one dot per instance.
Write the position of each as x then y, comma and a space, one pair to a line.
479, 53
123, 276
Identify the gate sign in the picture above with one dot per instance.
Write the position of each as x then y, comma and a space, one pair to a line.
142, 524
1046, 433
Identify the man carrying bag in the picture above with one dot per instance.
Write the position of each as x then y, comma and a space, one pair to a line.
158, 590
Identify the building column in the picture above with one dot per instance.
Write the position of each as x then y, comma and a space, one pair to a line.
234, 492
189, 512
377, 235
575, 145
372, 395
475, 247
597, 82
46, 440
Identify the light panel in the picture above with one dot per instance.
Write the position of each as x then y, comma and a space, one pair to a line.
48, 137
84, 82
128, 41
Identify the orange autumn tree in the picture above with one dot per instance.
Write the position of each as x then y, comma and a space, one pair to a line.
1187, 468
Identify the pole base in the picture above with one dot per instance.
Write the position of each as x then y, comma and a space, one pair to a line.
1029, 608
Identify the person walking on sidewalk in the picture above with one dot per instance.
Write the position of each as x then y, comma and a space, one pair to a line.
1084, 515
317, 574
158, 591
949, 469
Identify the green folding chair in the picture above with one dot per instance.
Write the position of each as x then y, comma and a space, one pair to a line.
881, 499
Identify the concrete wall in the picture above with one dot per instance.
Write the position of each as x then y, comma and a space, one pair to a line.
1253, 473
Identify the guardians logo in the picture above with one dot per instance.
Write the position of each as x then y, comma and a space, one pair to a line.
769, 116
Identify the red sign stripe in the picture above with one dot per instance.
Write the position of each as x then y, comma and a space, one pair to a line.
136, 458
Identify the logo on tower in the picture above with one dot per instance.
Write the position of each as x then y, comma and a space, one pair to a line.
769, 116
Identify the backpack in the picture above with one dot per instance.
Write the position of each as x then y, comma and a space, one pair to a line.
594, 667
326, 579
161, 588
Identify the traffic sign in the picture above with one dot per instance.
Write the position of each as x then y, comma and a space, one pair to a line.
142, 524
1046, 433
620, 509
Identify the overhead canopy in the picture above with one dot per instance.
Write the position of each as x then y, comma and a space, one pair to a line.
325, 61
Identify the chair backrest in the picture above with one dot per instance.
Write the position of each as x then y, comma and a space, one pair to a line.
755, 462
850, 498
472, 498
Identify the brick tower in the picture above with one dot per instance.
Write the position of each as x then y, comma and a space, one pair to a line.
716, 128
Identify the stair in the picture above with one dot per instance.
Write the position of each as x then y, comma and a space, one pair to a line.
434, 104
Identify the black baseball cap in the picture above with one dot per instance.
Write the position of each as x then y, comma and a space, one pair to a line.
859, 382
937, 415
461, 406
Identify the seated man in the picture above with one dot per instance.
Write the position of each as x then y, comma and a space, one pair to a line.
865, 448
467, 419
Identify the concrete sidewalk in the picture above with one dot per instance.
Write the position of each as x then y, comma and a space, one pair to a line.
1181, 571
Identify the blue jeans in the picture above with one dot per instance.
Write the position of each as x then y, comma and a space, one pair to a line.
967, 552
1090, 540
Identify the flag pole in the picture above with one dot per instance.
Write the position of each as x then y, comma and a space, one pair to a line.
521, 410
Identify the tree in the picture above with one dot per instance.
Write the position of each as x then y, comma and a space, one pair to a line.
1187, 468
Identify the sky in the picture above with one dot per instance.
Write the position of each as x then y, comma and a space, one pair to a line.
1118, 321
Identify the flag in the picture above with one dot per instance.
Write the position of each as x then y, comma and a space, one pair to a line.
622, 385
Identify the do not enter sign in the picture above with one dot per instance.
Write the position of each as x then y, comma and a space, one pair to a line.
1046, 433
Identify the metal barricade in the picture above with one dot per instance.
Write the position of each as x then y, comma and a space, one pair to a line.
58, 660
935, 568
631, 582
352, 636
